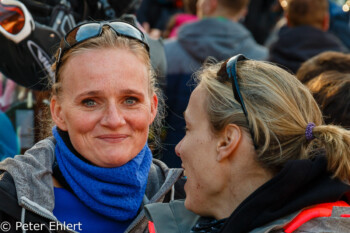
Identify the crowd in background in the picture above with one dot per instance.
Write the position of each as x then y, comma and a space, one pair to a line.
190, 32
175, 115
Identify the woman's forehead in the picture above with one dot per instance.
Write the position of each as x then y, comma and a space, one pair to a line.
103, 69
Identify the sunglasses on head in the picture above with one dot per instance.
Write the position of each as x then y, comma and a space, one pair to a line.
230, 68
16, 23
90, 30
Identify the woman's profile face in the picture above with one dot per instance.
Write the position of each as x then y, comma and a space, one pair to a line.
198, 152
105, 105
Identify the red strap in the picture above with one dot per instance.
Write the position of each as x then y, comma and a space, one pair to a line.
151, 228
320, 210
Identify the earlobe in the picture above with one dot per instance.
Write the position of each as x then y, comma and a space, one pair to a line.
229, 141
287, 19
325, 25
56, 113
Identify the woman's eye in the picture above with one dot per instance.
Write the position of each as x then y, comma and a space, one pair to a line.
89, 103
131, 101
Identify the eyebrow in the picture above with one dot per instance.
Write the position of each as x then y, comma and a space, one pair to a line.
132, 92
123, 92
87, 93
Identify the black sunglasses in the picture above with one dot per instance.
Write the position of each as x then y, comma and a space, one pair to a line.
230, 66
90, 30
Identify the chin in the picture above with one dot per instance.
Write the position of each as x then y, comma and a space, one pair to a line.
189, 206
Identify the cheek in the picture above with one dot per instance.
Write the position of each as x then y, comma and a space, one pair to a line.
139, 122
75, 122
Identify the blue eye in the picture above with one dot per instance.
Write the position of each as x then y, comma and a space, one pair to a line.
89, 103
131, 101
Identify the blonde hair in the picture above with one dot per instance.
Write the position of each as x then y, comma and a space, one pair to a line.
109, 39
279, 109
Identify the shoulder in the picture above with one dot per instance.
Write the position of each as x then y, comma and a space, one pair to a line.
171, 217
328, 217
179, 60
338, 222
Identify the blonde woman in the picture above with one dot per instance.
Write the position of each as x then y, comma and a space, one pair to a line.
97, 171
258, 157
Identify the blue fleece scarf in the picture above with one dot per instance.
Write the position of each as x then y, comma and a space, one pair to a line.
117, 192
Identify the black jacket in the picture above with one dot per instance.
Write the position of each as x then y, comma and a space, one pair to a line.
298, 44
300, 184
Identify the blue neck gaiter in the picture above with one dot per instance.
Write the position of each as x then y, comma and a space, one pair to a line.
117, 192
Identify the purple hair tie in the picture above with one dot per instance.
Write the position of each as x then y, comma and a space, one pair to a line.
308, 132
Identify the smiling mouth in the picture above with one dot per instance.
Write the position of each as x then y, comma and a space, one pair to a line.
113, 138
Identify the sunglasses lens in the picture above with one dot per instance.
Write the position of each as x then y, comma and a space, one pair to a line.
127, 30
11, 18
82, 33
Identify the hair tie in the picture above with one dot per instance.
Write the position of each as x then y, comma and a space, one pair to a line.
308, 132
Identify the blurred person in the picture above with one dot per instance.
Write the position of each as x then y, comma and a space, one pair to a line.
9, 145
305, 34
155, 14
331, 90
258, 156
97, 170
179, 19
339, 22
262, 17
218, 34
322, 62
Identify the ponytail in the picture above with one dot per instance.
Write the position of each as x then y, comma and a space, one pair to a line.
336, 142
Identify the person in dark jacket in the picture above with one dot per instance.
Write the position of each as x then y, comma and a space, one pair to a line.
257, 154
97, 171
218, 34
305, 34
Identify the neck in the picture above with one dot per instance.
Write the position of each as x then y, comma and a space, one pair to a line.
236, 193
242, 175
227, 14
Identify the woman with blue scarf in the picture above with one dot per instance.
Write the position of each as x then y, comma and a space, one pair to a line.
97, 172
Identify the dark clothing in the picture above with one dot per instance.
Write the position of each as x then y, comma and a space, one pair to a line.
298, 44
267, 13
300, 184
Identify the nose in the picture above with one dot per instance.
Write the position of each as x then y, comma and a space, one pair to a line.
178, 148
113, 117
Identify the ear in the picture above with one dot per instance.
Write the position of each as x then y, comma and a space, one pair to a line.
228, 142
242, 13
287, 19
56, 113
325, 24
154, 107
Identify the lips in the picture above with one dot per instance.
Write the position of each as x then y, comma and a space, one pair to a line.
112, 138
